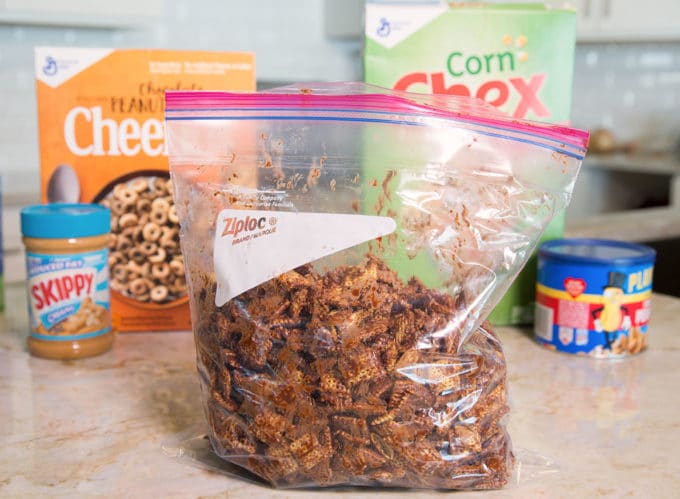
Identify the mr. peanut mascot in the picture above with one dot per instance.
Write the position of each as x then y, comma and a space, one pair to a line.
613, 317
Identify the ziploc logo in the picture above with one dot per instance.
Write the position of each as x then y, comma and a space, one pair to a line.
242, 229
389, 25
253, 246
56, 65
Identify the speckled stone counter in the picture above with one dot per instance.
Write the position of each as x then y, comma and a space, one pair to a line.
97, 427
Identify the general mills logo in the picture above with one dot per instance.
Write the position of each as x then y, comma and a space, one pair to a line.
50, 67
384, 28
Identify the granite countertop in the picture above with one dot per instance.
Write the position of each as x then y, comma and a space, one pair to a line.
98, 427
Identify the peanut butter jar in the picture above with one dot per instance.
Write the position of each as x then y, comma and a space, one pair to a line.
68, 279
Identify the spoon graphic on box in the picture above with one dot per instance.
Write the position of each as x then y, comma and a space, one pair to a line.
63, 186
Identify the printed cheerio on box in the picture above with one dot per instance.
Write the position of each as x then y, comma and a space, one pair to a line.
102, 140
517, 57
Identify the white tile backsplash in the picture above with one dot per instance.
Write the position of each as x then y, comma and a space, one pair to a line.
633, 88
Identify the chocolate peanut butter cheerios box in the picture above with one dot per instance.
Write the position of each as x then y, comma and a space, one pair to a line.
102, 139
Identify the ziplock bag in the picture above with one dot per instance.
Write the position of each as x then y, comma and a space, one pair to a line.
343, 245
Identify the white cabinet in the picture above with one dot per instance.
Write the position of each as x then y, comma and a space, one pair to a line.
628, 20
586, 17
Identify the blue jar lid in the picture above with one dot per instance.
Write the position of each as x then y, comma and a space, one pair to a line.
598, 251
65, 220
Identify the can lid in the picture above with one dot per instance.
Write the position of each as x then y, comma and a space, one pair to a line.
598, 251
65, 220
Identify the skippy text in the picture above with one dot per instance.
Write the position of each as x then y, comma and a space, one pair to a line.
49, 291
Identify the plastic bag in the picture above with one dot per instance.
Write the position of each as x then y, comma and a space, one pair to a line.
343, 244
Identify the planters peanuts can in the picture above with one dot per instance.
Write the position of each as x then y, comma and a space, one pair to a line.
593, 296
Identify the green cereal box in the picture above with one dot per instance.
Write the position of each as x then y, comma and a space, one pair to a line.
517, 57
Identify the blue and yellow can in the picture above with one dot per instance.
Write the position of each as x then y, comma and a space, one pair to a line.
593, 296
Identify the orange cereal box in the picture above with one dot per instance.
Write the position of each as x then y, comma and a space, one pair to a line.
102, 140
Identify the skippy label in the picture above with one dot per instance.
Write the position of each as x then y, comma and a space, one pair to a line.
592, 309
518, 58
252, 247
68, 295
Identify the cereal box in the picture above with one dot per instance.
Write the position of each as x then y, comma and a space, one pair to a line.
517, 57
102, 139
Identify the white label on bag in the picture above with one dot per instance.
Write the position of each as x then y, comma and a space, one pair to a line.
253, 246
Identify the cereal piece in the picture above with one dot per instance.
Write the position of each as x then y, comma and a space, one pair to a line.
136, 254
139, 185
169, 238
151, 232
357, 459
158, 257
269, 427
521, 41
123, 244
158, 217
160, 271
118, 189
149, 247
127, 197
160, 204
144, 219
177, 267
114, 258
334, 392
118, 286
127, 220
233, 435
143, 206
254, 347
128, 233
179, 285
361, 364
140, 269
158, 186
307, 451
467, 438
139, 286
172, 215
158, 293
117, 207
120, 272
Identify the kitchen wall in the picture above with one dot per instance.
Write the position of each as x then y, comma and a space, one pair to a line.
633, 89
